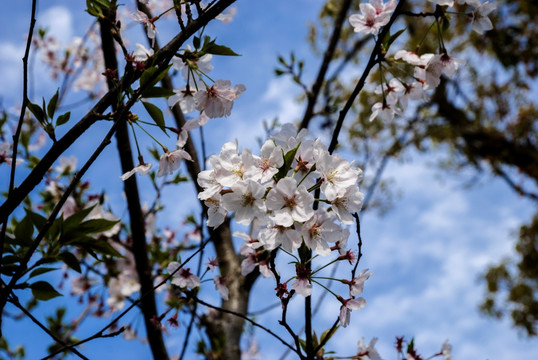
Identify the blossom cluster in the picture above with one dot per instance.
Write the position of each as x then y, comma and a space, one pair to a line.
428, 68
211, 101
276, 188
294, 193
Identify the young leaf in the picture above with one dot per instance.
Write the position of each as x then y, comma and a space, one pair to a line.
393, 38
24, 231
147, 75
62, 119
40, 271
215, 49
70, 260
196, 42
156, 114
288, 160
148, 79
156, 92
37, 111
51, 107
327, 334
74, 220
42, 290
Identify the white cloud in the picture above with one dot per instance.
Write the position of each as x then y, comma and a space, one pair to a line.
11, 67
58, 21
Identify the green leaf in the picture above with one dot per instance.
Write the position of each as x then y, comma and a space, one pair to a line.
74, 220
51, 107
81, 231
70, 260
196, 42
37, 219
24, 231
178, 179
37, 111
156, 92
392, 38
328, 334
148, 79
147, 75
411, 345
103, 247
42, 290
156, 114
62, 119
40, 271
215, 49
288, 160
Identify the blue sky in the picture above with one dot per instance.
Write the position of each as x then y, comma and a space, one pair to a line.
426, 254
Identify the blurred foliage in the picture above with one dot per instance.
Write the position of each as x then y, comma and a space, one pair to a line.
485, 116
514, 283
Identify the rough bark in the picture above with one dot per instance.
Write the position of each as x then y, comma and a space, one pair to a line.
136, 217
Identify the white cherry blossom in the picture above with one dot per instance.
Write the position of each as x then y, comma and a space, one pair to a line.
480, 21
171, 160
183, 277
274, 236
368, 350
142, 169
320, 230
347, 202
246, 200
141, 53
336, 174
185, 98
356, 286
346, 308
289, 202
217, 100
369, 21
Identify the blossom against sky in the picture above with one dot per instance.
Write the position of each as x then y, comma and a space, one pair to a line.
425, 255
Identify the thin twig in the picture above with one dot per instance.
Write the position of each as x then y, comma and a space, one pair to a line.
375, 58
15, 301
17, 134
327, 58
250, 321
99, 334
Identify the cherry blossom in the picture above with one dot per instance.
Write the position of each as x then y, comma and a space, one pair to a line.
268, 163
141, 53
183, 278
220, 285
480, 21
336, 174
148, 23
370, 20
142, 169
171, 160
185, 98
246, 200
5, 154
277, 235
215, 212
189, 62
217, 100
430, 70
356, 286
346, 308
302, 283
446, 351
368, 350
320, 230
347, 202
289, 202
